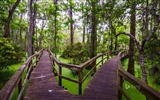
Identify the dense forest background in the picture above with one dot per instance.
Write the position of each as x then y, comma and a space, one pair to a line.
80, 29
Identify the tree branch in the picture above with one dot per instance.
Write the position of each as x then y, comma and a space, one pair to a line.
152, 33
132, 37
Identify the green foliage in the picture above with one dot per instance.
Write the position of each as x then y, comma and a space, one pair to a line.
155, 73
152, 55
152, 48
20, 53
8, 54
77, 52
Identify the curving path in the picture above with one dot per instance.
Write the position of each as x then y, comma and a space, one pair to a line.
43, 85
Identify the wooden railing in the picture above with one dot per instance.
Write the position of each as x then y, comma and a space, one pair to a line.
78, 68
19, 79
148, 92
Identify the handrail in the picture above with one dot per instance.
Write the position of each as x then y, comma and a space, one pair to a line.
87, 63
149, 92
70, 66
78, 68
7, 91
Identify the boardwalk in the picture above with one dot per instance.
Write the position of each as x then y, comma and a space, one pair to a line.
103, 85
43, 85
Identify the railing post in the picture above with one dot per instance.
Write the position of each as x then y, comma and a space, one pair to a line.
102, 59
29, 65
60, 74
80, 82
95, 69
120, 85
37, 56
20, 87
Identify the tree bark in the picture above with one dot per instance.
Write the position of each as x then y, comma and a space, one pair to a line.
141, 60
84, 26
20, 31
71, 25
41, 34
30, 33
115, 43
93, 33
131, 45
34, 25
84, 30
55, 25
7, 25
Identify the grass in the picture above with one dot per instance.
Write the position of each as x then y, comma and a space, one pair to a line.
70, 86
7, 73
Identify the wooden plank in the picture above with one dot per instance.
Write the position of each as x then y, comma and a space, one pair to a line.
42, 83
103, 84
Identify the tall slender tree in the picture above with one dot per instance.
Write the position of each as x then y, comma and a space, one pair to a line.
7, 25
31, 30
55, 27
93, 48
84, 26
132, 31
71, 23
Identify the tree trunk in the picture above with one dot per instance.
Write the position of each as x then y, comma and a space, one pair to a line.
111, 43
141, 60
41, 34
146, 18
20, 32
93, 33
131, 45
12, 31
83, 33
115, 43
34, 26
55, 25
7, 25
37, 47
30, 33
84, 26
71, 25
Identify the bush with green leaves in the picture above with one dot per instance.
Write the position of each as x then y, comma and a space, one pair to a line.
9, 54
78, 53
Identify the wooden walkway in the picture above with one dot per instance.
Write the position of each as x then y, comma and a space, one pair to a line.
104, 83
43, 85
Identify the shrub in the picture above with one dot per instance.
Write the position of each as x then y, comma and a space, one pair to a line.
20, 53
77, 52
8, 54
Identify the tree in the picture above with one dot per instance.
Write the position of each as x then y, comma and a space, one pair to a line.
146, 36
55, 27
84, 26
7, 25
31, 30
131, 44
71, 23
93, 29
